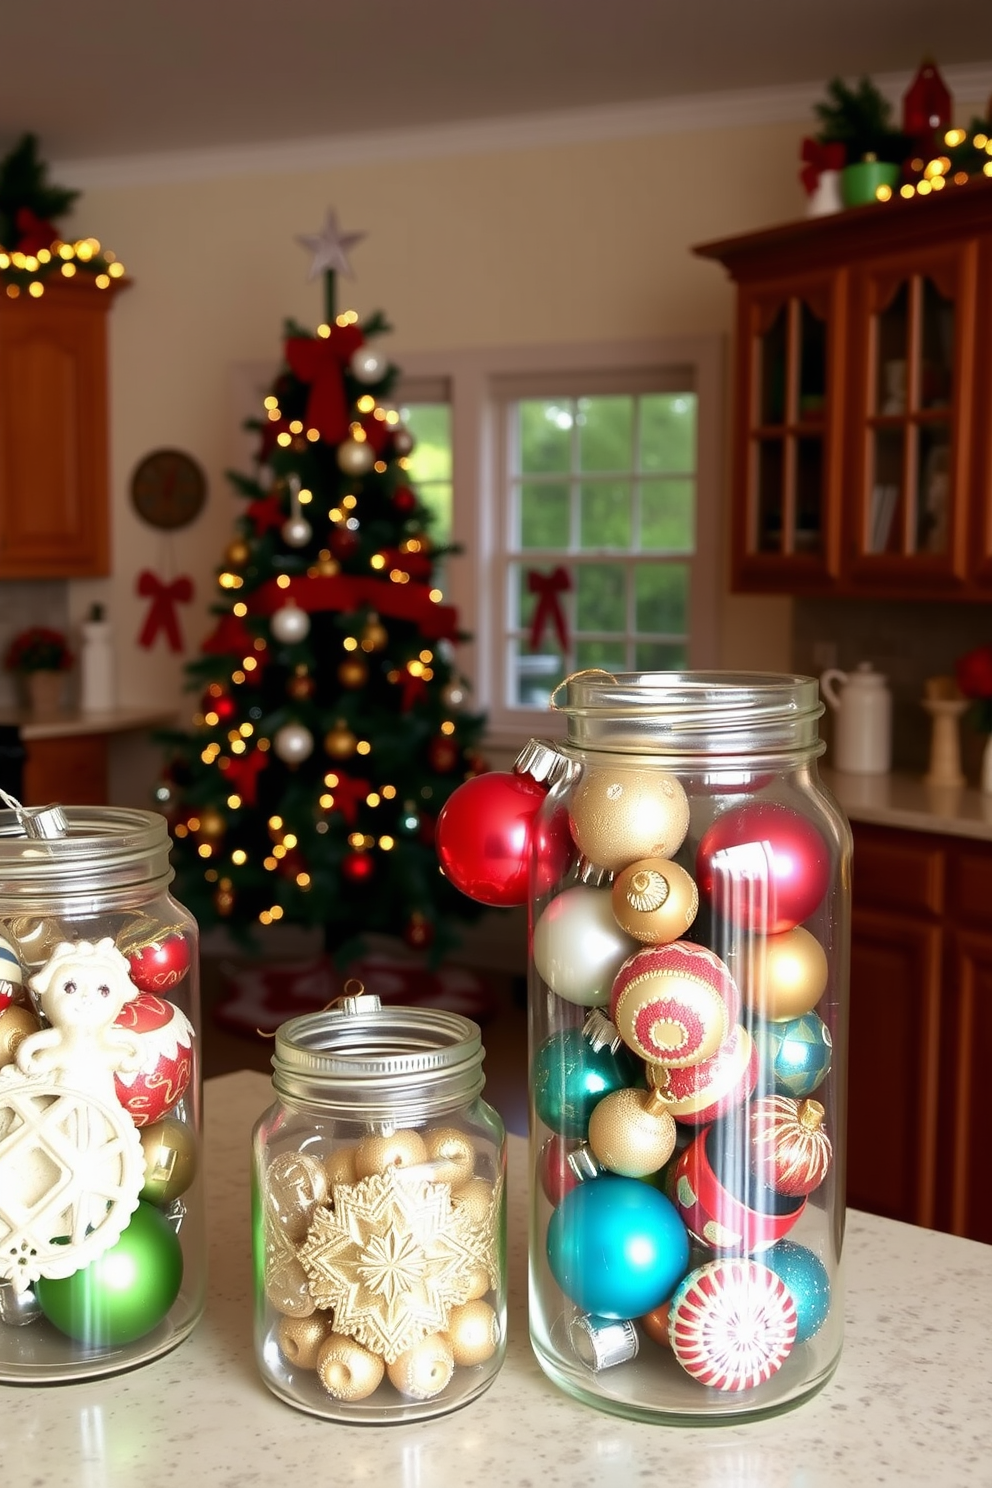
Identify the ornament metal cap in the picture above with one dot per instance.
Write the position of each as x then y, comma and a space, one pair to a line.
600, 1031
584, 1163
601, 1343
541, 761
590, 873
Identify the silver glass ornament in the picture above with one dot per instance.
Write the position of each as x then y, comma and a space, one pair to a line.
290, 624
296, 532
17, 1309
579, 947
355, 457
403, 441
293, 743
367, 365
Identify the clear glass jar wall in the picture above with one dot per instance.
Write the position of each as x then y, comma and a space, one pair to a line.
688, 993
379, 1216
102, 1239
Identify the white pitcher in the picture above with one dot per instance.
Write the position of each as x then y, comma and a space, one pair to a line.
862, 705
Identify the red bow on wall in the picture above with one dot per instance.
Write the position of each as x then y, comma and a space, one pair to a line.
816, 159
547, 587
162, 610
319, 361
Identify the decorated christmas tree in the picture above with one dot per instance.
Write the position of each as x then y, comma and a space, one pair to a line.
328, 732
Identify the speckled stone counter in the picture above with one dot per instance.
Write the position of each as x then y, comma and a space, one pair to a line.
910, 1403
900, 800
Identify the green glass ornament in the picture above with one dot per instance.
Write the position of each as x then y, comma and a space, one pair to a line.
570, 1077
125, 1292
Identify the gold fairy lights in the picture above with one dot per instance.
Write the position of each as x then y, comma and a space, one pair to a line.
937, 173
61, 257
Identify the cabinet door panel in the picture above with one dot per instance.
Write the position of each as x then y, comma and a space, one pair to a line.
964, 1192
969, 886
896, 871
72, 769
892, 1089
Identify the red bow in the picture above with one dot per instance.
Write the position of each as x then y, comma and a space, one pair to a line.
348, 795
319, 361
414, 688
162, 610
547, 587
817, 158
241, 771
33, 232
265, 513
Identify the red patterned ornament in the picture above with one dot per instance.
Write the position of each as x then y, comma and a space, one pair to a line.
674, 1004
763, 867
732, 1324
483, 836
698, 1093
703, 1187
790, 1151
158, 964
166, 1038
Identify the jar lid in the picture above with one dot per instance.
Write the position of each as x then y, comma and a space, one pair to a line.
95, 849
374, 1063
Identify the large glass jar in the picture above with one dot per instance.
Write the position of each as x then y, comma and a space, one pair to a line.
688, 989
102, 1241
379, 1216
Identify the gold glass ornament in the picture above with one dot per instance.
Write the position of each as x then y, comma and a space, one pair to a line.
452, 1153
325, 567
170, 1160
654, 900
339, 742
475, 1200
212, 824
35, 938
346, 1370
238, 553
473, 1333
16, 1023
619, 815
632, 1133
424, 1370
295, 1184
340, 1166
477, 1283
301, 685
224, 900
353, 672
374, 634
300, 1338
400, 1149
787, 977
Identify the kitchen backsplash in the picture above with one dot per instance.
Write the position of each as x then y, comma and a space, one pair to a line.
25, 602
909, 642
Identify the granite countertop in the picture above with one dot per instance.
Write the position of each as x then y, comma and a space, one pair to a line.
909, 1404
901, 800
110, 721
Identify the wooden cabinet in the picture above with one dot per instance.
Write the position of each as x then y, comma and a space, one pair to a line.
54, 506
921, 1029
862, 456
71, 767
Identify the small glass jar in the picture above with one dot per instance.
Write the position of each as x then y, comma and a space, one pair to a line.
102, 1240
379, 1216
688, 1003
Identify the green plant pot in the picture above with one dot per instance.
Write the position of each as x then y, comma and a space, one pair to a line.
859, 182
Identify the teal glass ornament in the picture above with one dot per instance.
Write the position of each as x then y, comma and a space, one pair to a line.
806, 1277
795, 1054
570, 1077
125, 1292
616, 1247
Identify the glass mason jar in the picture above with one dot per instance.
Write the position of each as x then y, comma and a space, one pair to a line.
688, 991
379, 1216
102, 1242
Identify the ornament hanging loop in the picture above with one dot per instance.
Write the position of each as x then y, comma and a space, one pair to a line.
553, 703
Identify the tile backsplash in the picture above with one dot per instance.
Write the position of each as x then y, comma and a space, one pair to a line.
909, 642
25, 602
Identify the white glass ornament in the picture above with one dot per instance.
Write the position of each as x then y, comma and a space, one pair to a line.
453, 695
355, 457
296, 532
579, 947
290, 624
403, 441
367, 365
293, 743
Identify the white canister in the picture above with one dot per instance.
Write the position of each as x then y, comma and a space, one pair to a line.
862, 706
97, 680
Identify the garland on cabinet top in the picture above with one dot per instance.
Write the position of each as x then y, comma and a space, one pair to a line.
331, 725
874, 160
31, 249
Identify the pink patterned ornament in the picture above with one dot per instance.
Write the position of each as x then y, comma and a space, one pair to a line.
165, 1037
790, 1151
732, 1324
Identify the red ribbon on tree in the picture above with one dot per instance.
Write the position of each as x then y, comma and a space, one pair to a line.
162, 610
818, 158
547, 587
320, 361
241, 771
347, 592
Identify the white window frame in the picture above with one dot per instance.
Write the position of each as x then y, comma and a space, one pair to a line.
477, 381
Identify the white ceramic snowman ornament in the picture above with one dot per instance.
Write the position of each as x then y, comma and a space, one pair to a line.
71, 1161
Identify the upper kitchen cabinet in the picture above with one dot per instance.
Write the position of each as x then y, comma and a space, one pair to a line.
54, 502
862, 433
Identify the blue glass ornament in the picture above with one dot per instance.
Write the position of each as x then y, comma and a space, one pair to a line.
570, 1078
617, 1247
806, 1277
795, 1052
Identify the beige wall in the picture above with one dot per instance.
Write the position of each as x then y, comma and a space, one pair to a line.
553, 244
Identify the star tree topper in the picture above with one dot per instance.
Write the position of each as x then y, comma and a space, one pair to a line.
330, 247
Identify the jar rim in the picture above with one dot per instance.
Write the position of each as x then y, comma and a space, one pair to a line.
105, 846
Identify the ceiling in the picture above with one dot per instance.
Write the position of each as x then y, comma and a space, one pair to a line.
104, 78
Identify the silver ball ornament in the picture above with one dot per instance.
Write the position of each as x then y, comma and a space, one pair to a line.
367, 365
355, 457
403, 441
290, 624
293, 743
579, 947
17, 1309
296, 532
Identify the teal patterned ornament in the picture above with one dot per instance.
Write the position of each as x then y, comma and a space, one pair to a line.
570, 1078
795, 1054
806, 1277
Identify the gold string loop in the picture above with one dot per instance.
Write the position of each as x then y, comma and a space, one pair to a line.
586, 672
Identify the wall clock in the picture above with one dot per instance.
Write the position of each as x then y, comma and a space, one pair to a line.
168, 489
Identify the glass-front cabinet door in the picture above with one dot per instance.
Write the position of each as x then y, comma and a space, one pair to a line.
912, 364
788, 466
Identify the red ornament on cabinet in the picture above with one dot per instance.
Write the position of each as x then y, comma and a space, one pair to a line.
926, 107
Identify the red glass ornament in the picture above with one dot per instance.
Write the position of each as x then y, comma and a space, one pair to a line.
160, 964
442, 754
718, 1209
790, 1151
419, 932
483, 836
357, 867
224, 706
774, 868
166, 1039
404, 500
926, 105
557, 1177
554, 850
342, 542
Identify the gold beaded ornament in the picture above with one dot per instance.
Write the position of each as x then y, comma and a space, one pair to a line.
619, 815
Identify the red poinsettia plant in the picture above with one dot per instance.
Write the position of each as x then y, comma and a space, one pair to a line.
973, 673
38, 649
